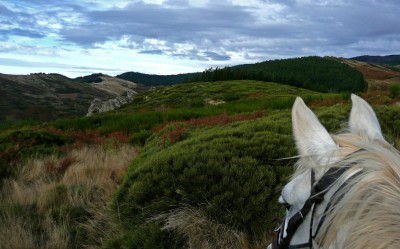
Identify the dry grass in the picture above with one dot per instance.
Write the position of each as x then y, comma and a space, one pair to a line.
15, 233
203, 233
102, 226
84, 178
114, 85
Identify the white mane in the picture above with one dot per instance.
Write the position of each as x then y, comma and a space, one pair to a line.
368, 214
364, 212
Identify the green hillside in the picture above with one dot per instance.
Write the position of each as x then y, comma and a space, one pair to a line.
186, 101
323, 74
196, 163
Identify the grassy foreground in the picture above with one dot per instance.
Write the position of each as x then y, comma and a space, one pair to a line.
61, 202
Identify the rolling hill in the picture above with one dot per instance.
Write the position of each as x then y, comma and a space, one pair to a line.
47, 97
51, 96
378, 76
44, 97
187, 164
391, 60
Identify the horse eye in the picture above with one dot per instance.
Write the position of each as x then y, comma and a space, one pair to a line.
284, 202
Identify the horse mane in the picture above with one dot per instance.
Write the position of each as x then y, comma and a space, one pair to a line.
366, 211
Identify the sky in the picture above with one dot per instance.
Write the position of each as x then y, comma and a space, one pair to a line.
80, 37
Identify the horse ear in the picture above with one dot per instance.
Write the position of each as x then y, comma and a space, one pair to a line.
363, 120
312, 139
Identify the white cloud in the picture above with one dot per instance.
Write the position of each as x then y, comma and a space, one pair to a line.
166, 36
198, 3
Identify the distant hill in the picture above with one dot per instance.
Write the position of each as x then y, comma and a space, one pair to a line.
378, 76
322, 74
392, 60
93, 78
153, 79
49, 96
373, 71
113, 85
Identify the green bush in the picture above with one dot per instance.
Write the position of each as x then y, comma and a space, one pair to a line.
25, 144
230, 172
394, 90
140, 137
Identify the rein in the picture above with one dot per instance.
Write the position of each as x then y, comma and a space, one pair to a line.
318, 191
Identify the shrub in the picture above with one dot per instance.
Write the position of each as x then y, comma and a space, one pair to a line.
25, 144
229, 172
139, 138
394, 90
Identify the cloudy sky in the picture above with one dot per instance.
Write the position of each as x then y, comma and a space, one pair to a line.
79, 37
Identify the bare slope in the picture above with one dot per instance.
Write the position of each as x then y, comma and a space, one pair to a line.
377, 76
114, 85
44, 96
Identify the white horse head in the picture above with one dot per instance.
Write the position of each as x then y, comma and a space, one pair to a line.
345, 192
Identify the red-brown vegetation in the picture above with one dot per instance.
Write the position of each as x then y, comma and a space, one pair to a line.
177, 131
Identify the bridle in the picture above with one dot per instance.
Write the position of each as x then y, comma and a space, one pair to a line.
318, 191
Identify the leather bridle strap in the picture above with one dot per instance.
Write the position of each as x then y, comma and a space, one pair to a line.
318, 191
330, 203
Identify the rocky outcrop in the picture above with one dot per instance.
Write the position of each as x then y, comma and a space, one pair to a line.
98, 106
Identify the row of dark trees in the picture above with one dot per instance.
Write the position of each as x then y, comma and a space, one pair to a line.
152, 79
323, 74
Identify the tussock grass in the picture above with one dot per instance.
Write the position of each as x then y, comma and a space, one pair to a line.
53, 202
201, 232
15, 232
103, 170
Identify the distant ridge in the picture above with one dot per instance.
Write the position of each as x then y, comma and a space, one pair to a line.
45, 97
324, 74
93, 78
392, 60
153, 79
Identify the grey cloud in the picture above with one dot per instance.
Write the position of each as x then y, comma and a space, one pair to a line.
20, 32
99, 69
216, 56
214, 31
153, 21
24, 19
4, 11
154, 51
333, 25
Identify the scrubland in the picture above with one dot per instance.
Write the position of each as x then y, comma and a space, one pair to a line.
167, 171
